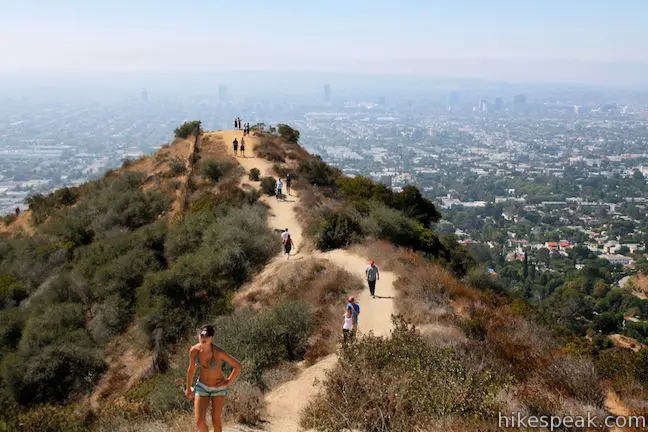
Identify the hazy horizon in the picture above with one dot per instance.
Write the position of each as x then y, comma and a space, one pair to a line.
578, 42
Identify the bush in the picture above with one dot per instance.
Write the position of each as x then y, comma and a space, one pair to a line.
287, 133
9, 219
188, 128
338, 229
400, 384
226, 246
211, 170
254, 174
244, 403
50, 418
268, 185
177, 166
316, 172
12, 322
43, 376
12, 292
281, 171
266, 338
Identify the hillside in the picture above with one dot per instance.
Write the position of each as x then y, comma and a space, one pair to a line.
111, 280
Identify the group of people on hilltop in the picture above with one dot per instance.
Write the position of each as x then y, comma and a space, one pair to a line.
236, 146
245, 127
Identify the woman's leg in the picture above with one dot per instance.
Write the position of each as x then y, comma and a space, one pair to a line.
217, 412
201, 403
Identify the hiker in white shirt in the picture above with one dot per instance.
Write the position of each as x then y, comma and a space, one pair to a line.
373, 275
279, 187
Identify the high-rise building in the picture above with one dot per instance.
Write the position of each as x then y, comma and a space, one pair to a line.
483, 106
499, 104
453, 101
223, 95
519, 103
327, 92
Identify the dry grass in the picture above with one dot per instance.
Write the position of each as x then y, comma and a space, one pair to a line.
276, 149
320, 283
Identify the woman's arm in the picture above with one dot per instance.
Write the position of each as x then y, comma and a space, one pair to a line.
236, 367
191, 370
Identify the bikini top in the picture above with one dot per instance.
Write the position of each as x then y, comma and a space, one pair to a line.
212, 363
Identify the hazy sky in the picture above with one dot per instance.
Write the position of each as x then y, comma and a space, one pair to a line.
546, 40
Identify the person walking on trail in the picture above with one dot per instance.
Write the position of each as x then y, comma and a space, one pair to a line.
211, 384
284, 235
347, 327
288, 182
373, 275
242, 146
354, 308
287, 244
235, 146
279, 187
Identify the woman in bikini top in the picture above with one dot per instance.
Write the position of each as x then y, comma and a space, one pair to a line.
212, 385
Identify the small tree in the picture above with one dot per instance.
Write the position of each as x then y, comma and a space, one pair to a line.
289, 134
187, 128
254, 175
268, 185
211, 170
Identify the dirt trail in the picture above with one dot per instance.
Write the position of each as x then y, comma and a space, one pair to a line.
285, 403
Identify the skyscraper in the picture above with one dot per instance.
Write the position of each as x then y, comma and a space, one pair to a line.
327, 92
519, 103
223, 95
499, 104
483, 106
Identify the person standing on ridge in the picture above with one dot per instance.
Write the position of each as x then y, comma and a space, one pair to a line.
235, 146
211, 384
288, 182
243, 147
235, 123
279, 187
373, 275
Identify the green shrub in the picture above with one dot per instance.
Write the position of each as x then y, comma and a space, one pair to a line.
177, 166
263, 339
12, 292
641, 366
287, 133
281, 171
338, 229
62, 323
268, 185
400, 384
188, 128
9, 219
316, 172
226, 246
44, 376
481, 280
12, 322
254, 174
393, 226
211, 170
53, 418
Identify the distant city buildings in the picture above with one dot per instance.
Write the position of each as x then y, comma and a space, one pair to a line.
327, 92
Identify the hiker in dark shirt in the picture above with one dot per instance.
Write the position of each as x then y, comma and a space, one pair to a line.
235, 146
